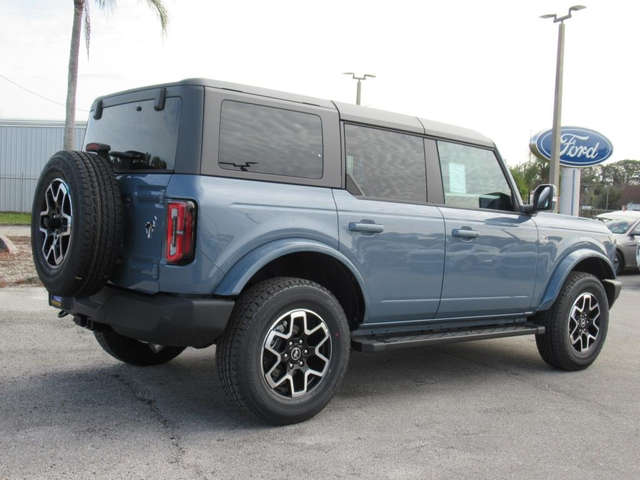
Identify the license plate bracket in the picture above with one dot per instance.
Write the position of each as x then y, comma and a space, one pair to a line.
57, 301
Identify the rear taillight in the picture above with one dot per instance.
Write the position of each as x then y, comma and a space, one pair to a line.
181, 231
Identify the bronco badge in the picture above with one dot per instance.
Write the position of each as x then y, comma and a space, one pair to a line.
150, 226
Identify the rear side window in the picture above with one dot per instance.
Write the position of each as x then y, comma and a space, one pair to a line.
472, 178
275, 141
140, 137
386, 165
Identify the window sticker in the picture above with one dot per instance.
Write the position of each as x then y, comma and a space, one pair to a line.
457, 178
350, 163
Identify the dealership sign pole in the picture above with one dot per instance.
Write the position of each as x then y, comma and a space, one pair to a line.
579, 148
554, 167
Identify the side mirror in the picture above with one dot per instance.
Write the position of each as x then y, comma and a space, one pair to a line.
544, 198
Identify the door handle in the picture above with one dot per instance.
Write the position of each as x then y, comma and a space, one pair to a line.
463, 233
366, 227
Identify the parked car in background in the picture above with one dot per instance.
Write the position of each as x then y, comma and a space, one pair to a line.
625, 225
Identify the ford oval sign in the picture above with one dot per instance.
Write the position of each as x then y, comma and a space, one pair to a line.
579, 147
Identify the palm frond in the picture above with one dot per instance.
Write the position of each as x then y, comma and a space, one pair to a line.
161, 10
106, 4
87, 26
157, 5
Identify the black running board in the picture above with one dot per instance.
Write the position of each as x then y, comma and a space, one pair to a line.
372, 343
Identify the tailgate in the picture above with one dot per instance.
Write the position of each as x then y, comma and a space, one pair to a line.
143, 198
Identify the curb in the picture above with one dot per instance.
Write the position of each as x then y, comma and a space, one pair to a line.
6, 244
15, 230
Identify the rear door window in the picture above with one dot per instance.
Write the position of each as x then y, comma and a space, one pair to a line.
270, 140
140, 137
386, 165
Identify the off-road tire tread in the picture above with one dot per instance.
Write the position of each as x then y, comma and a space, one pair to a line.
133, 352
107, 218
550, 344
228, 346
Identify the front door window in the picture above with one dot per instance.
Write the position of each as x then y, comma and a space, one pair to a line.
472, 178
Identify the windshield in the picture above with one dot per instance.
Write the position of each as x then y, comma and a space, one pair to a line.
618, 226
140, 137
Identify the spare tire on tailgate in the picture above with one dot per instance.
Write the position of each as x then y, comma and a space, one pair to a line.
76, 223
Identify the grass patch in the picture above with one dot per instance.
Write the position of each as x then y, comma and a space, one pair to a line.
15, 218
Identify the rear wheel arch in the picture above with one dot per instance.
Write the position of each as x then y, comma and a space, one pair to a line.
306, 260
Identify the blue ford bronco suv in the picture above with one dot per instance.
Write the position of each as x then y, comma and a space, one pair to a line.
287, 231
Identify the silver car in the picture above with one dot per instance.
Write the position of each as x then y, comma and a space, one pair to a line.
626, 228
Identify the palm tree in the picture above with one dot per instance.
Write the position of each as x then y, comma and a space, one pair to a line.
80, 10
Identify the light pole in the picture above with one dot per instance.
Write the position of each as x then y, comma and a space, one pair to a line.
353, 75
554, 167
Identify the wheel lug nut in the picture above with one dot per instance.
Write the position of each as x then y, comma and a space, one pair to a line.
301, 363
306, 351
286, 356
290, 343
291, 365
300, 342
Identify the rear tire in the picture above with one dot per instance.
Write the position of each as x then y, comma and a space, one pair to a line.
575, 325
284, 351
132, 351
76, 224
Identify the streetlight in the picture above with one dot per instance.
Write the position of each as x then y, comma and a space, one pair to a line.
353, 75
554, 167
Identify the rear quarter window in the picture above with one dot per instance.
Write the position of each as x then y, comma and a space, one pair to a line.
270, 140
137, 128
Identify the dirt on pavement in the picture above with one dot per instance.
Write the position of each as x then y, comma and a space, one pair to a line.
18, 269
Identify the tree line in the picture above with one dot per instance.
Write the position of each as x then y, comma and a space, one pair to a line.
601, 186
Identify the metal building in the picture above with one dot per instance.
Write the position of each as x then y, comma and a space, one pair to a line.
25, 147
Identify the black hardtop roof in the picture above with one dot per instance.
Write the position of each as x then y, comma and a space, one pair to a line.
348, 112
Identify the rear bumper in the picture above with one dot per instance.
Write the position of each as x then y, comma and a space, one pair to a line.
162, 319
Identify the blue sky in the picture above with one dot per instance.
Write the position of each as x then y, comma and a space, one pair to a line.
486, 65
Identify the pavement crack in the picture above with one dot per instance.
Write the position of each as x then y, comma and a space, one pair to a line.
143, 397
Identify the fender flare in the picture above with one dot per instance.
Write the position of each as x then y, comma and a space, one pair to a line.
237, 277
563, 270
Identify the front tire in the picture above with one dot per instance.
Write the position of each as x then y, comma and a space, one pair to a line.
618, 263
576, 325
285, 350
134, 352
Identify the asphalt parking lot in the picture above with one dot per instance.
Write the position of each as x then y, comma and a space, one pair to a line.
488, 409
